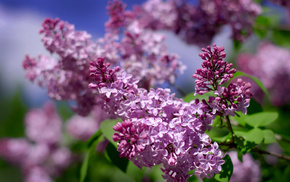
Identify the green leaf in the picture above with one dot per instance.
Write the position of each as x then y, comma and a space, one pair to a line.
226, 172
113, 154
241, 119
286, 175
261, 26
243, 146
93, 138
189, 97
269, 136
12, 112
84, 167
240, 156
256, 80
281, 37
134, 172
255, 135
107, 129
219, 134
237, 45
254, 107
64, 110
261, 119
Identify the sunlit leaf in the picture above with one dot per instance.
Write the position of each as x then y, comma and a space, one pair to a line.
269, 136
134, 172
85, 164
255, 135
261, 119
107, 129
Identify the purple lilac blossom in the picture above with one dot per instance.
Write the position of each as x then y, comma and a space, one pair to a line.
65, 76
213, 74
198, 24
143, 53
40, 155
157, 128
271, 65
140, 52
248, 170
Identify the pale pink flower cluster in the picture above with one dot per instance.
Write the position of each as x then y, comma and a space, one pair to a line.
248, 170
198, 24
40, 155
271, 65
140, 52
83, 127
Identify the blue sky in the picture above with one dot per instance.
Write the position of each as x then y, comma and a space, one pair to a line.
89, 15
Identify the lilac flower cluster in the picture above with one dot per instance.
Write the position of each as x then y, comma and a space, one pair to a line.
248, 170
198, 24
215, 72
271, 65
141, 53
40, 155
65, 78
157, 128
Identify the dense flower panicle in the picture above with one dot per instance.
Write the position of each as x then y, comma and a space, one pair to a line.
271, 65
40, 155
157, 14
118, 16
65, 77
60, 37
133, 137
215, 72
142, 53
248, 170
198, 24
145, 56
157, 127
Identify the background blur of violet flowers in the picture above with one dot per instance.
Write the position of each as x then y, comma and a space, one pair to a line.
20, 22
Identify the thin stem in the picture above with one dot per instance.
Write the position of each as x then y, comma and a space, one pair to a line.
232, 145
281, 156
230, 128
279, 137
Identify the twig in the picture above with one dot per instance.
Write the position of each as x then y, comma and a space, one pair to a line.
232, 145
230, 128
281, 156
279, 137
